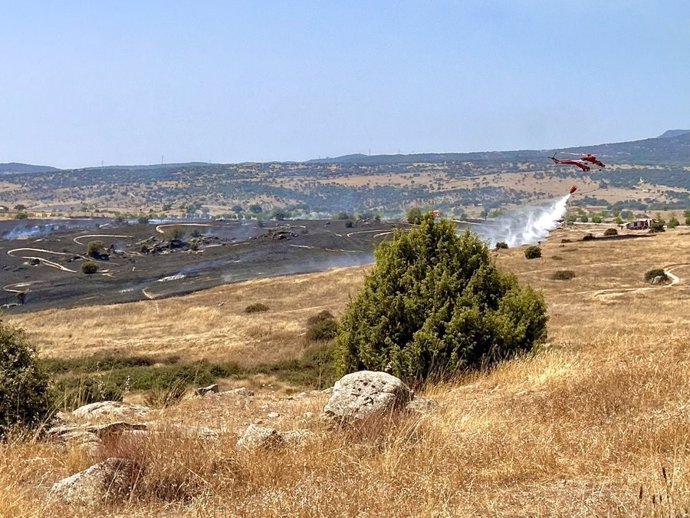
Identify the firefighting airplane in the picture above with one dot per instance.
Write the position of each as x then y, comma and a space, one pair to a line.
585, 162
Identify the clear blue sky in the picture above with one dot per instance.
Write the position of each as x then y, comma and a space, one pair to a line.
128, 81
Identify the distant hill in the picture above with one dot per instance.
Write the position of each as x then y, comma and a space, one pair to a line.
673, 147
14, 167
674, 133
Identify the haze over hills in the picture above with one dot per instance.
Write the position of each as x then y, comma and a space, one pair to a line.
649, 174
673, 146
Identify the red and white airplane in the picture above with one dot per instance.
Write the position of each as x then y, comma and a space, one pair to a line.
585, 162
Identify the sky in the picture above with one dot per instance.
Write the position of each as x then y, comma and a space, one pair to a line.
143, 81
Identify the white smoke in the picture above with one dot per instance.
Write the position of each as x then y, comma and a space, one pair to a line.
526, 225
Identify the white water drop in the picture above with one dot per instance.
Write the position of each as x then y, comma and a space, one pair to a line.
527, 225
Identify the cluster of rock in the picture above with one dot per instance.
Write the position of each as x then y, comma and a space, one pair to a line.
355, 398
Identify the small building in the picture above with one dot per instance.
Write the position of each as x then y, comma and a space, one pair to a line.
640, 224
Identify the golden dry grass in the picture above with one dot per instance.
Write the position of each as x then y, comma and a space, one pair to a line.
211, 324
596, 424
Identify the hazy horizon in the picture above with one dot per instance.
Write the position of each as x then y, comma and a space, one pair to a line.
124, 83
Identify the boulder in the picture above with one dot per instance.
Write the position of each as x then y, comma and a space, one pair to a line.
256, 436
365, 394
297, 437
110, 408
109, 480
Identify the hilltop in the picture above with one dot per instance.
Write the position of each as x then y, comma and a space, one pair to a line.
14, 167
672, 147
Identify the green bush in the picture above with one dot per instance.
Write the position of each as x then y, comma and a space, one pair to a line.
414, 216
95, 249
533, 252
175, 232
657, 224
501, 245
71, 393
24, 397
320, 317
656, 272
323, 330
597, 219
257, 307
436, 304
89, 267
673, 221
610, 232
563, 275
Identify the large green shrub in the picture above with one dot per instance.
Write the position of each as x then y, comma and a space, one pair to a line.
89, 267
436, 304
533, 252
95, 249
23, 385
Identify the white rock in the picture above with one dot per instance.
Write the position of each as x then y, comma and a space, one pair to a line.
364, 394
111, 479
259, 437
238, 392
114, 408
255, 437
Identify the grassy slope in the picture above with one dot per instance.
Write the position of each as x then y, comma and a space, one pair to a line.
579, 429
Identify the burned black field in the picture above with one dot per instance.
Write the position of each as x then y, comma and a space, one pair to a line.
42, 259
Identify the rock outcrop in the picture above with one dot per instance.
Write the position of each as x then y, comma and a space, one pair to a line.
256, 436
110, 408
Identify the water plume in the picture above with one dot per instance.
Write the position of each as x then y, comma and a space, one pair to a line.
526, 225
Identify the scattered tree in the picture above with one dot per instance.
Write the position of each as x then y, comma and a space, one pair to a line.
96, 249
414, 216
89, 267
436, 304
533, 252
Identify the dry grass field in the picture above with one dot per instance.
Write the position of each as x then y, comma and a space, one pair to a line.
595, 424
